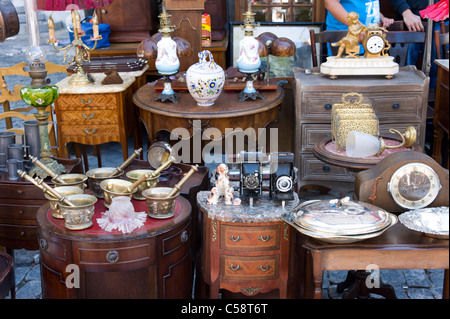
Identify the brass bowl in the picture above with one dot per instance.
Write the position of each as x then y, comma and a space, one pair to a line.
97, 175
159, 206
77, 180
115, 187
80, 216
54, 202
150, 182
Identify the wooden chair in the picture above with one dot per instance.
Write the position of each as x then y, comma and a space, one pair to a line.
322, 38
441, 44
7, 282
26, 113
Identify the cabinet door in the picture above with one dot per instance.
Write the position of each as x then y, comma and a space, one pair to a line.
130, 21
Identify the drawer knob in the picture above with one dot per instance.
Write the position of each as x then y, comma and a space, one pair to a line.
90, 132
89, 101
264, 239
238, 238
262, 268
20, 212
233, 268
395, 106
88, 117
328, 106
326, 168
112, 256
184, 236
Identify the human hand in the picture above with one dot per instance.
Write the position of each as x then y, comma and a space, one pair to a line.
386, 22
413, 22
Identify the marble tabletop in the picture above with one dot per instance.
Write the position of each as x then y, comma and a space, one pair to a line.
97, 86
264, 209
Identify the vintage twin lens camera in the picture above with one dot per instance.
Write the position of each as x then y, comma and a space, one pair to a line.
282, 176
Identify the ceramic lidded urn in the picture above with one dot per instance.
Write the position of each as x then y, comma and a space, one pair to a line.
205, 79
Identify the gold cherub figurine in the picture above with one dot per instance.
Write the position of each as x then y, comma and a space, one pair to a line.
350, 43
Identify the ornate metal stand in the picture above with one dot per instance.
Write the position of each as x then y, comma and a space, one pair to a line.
249, 92
168, 94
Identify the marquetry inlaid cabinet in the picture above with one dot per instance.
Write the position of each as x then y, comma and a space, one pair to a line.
96, 114
246, 249
398, 102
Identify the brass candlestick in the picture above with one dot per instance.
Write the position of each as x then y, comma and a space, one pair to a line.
82, 51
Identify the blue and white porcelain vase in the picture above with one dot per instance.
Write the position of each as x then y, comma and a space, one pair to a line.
205, 79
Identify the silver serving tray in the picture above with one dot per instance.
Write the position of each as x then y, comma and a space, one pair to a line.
338, 239
432, 221
341, 217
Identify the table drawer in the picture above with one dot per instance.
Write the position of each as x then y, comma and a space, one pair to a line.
311, 133
15, 232
20, 192
90, 116
250, 238
94, 132
398, 106
114, 257
249, 268
17, 213
314, 169
67, 101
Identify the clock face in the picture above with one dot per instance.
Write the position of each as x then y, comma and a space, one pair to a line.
414, 185
375, 44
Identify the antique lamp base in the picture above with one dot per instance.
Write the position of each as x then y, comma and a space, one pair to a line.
80, 79
359, 66
53, 165
168, 94
249, 92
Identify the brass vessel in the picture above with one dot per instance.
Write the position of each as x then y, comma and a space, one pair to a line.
159, 205
79, 216
64, 191
150, 182
78, 180
116, 187
98, 175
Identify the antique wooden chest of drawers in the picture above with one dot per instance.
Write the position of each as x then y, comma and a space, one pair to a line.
398, 103
96, 114
19, 202
245, 249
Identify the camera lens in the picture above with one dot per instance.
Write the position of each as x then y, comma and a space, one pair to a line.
284, 184
251, 181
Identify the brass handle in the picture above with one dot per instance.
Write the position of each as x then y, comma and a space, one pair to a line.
112, 256
264, 239
90, 132
89, 101
104, 11
91, 116
238, 238
234, 268
184, 236
262, 268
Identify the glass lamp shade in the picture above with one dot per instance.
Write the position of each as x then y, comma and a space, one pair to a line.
359, 144
36, 54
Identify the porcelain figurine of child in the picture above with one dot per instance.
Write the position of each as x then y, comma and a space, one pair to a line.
223, 188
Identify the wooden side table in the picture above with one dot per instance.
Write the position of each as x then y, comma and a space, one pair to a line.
246, 249
96, 114
226, 113
397, 248
153, 261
